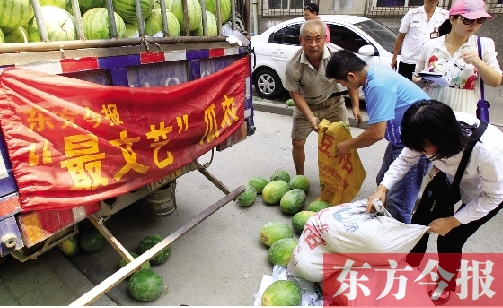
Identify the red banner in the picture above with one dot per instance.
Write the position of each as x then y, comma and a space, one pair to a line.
72, 142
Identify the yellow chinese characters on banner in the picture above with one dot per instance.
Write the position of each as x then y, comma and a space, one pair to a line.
340, 177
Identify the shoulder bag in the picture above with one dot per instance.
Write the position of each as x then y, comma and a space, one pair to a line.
482, 105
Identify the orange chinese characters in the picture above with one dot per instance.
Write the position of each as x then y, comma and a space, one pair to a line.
92, 116
157, 134
111, 114
126, 146
36, 118
229, 111
211, 125
84, 162
34, 158
67, 117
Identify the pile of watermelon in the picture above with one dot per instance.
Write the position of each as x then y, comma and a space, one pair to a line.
18, 24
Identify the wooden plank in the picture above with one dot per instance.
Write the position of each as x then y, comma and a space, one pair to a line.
111, 239
124, 272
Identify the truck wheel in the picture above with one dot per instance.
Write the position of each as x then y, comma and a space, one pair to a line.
267, 83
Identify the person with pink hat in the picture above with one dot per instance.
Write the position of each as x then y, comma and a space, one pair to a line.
456, 57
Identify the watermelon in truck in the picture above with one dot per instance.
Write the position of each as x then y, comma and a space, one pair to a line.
90, 126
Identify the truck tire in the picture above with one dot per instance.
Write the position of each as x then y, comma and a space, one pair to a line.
267, 83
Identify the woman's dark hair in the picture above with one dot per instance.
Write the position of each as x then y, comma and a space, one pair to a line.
445, 28
341, 63
432, 123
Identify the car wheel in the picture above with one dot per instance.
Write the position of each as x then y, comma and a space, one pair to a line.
267, 83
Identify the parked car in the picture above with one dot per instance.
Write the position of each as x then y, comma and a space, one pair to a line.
370, 40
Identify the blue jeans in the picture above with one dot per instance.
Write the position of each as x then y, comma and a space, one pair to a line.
401, 199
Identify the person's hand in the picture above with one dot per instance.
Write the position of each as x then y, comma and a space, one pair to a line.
358, 116
443, 226
314, 123
472, 58
421, 82
393, 64
342, 148
379, 194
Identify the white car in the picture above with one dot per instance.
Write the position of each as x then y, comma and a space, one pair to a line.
370, 40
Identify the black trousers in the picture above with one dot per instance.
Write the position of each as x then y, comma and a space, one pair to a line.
450, 246
406, 70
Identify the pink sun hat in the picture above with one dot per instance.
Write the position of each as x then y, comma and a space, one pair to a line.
471, 9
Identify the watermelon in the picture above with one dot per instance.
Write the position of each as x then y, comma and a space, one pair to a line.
145, 285
274, 191
282, 293
211, 22
153, 24
274, 231
281, 251
96, 24
59, 24
85, 5
258, 183
62, 4
248, 196
293, 201
1, 37
15, 13
69, 247
290, 102
194, 13
225, 8
91, 239
150, 241
127, 9
299, 220
280, 175
317, 205
16, 35
300, 181
123, 262
132, 30
167, 3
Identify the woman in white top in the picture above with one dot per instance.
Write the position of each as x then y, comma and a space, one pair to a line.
432, 128
456, 57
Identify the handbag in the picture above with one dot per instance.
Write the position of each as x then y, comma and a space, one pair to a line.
439, 196
482, 105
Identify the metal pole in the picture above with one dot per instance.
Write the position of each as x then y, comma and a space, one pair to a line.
113, 25
39, 19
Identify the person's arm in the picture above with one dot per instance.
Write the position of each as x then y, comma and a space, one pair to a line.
396, 50
354, 96
301, 104
371, 135
488, 67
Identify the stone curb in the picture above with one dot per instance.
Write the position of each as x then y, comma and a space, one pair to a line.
288, 111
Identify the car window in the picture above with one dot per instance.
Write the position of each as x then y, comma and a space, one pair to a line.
381, 34
288, 35
346, 38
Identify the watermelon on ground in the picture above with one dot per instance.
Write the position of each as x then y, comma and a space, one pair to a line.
59, 24
282, 293
15, 13
69, 247
299, 220
96, 24
91, 239
153, 24
274, 191
145, 285
317, 205
280, 175
300, 181
150, 241
258, 183
293, 201
225, 8
127, 9
123, 262
248, 196
194, 13
281, 251
274, 231
211, 28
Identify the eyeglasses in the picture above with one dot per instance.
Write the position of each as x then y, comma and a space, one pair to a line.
468, 22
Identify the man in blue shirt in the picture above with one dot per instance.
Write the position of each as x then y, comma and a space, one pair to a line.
387, 95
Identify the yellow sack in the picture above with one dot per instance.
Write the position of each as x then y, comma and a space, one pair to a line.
340, 177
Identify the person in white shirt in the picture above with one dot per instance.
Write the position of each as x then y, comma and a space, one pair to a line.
432, 128
417, 26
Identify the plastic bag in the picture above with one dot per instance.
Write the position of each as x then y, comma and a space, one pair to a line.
340, 177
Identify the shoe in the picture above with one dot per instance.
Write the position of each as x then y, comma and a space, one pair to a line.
441, 298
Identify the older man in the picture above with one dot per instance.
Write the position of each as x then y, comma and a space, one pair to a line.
417, 26
316, 97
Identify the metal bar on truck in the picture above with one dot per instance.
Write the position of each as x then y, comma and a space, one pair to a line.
219, 18
139, 19
113, 24
165, 27
185, 9
233, 10
205, 17
39, 18
127, 270
77, 16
